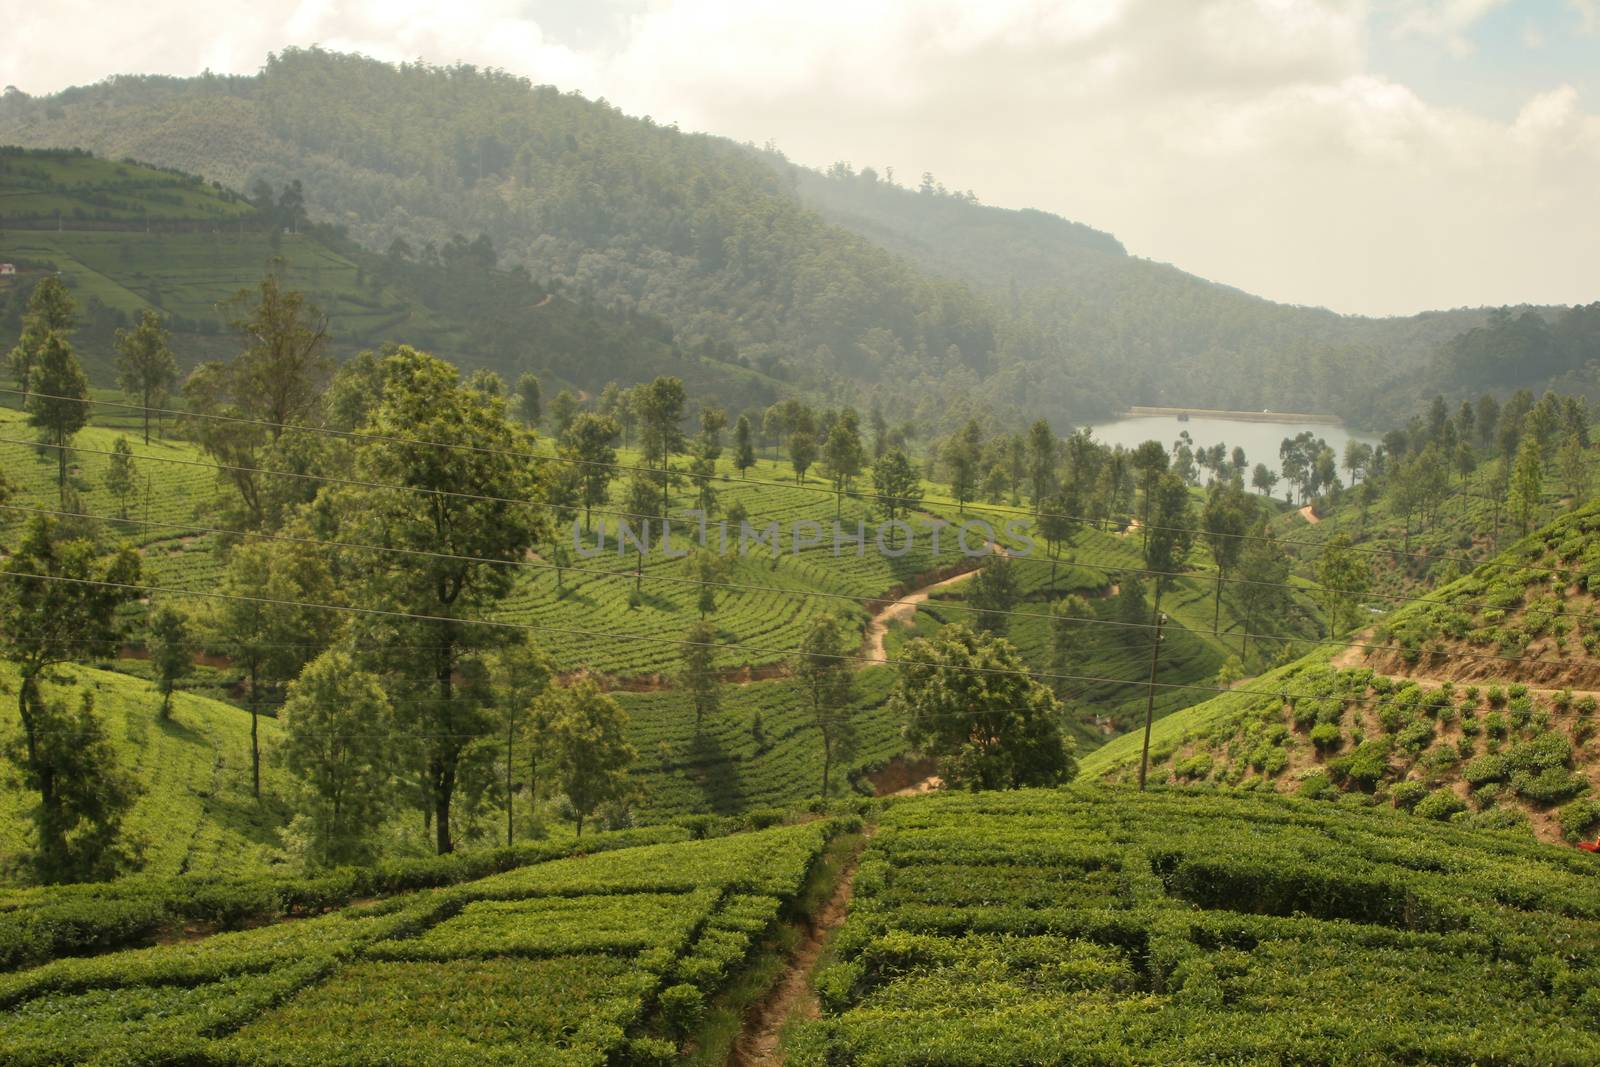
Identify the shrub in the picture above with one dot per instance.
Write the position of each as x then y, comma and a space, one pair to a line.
1490, 768
1325, 736
1549, 786
1405, 795
682, 1007
1440, 804
1317, 786
1580, 819
1364, 767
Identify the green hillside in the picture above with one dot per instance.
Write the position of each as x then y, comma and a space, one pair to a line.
1475, 705
195, 812
130, 238
826, 283
1108, 927
74, 187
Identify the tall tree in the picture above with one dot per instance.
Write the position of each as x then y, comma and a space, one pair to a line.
590, 449
1070, 620
744, 448
700, 670
969, 701
802, 453
843, 454
1263, 576
1345, 576
1576, 470
1150, 460
993, 594
1059, 523
518, 675
896, 484
57, 400
586, 744
50, 310
529, 399
58, 604
240, 410
1228, 515
264, 625
962, 454
173, 646
660, 408
339, 749
563, 409
822, 669
146, 370
120, 475
285, 368
1170, 535
457, 504
1041, 461
1527, 481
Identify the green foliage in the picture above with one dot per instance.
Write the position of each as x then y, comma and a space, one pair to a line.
968, 701
340, 749
1440, 804
1069, 926
583, 734
58, 604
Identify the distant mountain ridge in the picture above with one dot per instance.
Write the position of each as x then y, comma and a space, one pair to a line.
836, 283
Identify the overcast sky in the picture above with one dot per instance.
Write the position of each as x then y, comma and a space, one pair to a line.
1375, 156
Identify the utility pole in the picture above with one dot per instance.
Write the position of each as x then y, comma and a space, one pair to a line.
1150, 699
510, 731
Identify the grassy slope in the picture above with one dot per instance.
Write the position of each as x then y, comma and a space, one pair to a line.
196, 812
1479, 673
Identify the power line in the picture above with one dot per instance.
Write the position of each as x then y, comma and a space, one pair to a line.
863, 601
536, 628
572, 631
333, 480
759, 482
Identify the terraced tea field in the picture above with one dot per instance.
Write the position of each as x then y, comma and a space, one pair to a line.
196, 811
586, 960
1078, 926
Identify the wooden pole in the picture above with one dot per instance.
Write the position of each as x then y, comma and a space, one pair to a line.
1150, 699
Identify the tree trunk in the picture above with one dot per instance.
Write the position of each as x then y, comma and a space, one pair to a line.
1216, 611
827, 762
441, 767
255, 739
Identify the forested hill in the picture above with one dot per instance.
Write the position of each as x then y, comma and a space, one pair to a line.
831, 285
126, 238
1147, 329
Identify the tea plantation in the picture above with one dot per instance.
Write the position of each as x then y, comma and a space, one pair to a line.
587, 960
195, 811
1108, 927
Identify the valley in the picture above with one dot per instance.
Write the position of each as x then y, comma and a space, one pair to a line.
486, 578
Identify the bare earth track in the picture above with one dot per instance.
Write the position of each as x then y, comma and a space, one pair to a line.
758, 1045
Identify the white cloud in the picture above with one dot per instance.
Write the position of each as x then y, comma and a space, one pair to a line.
1448, 20
1245, 140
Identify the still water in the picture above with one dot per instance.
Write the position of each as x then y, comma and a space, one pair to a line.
1260, 440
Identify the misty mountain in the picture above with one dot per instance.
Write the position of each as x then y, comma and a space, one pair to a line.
837, 283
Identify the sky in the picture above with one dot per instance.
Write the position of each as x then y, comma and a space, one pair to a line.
1371, 156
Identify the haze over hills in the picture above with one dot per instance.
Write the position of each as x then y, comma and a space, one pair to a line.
831, 283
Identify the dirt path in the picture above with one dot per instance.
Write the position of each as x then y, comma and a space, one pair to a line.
902, 609
1309, 515
1357, 656
792, 994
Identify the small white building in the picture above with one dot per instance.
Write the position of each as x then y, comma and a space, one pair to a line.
8, 268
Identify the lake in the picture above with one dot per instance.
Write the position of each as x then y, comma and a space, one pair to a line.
1260, 440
